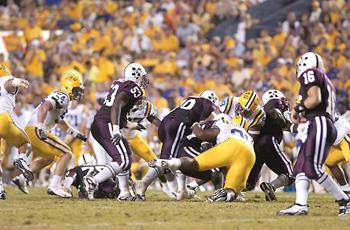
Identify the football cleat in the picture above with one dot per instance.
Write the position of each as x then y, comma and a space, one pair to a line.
2, 195
58, 191
21, 184
140, 190
223, 194
90, 186
269, 191
241, 197
294, 210
22, 166
344, 207
126, 197
139, 197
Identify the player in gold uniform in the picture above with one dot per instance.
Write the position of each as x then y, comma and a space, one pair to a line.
248, 106
234, 151
10, 131
48, 148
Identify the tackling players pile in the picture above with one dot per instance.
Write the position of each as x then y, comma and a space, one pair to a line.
225, 142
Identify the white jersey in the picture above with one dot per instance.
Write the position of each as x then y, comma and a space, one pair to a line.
7, 100
228, 105
60, 102
137, 115
343, 128
230, 130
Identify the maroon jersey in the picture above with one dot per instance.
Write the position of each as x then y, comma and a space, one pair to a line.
315, 77
192, 109
271, 126
134, 94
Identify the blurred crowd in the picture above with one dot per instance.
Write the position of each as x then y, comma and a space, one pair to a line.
99, 38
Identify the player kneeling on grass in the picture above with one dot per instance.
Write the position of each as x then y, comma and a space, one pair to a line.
46, 146
233, 150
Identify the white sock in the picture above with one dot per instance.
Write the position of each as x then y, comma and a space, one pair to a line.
302, 186
1, 185
68, 181
193, 184
123, 179
150, 176
330, 186
23, 156
181, 181
174, 163
55, 181
112, 170
345, 188
172, 182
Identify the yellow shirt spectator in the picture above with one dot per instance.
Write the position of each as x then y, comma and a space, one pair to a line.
31, 33
166, 67
106, 68
34, 62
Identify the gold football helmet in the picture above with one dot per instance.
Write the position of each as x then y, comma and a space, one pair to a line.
248, 103
72, 84
4, 71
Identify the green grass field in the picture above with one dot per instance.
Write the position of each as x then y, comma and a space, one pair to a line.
40, 211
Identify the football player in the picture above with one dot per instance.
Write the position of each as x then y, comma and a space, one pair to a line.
173, 128
234, 151
48, 148
267, 145
143, 110
112, 117
247, 105
10, 131
317, 105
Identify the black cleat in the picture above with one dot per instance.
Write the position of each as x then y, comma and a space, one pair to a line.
344, 207
269, 191
22, 166
2, 195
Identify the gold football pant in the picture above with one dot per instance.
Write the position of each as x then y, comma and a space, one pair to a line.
140, 147
77, 147
238, 158
10, 132
339, 153
52, 148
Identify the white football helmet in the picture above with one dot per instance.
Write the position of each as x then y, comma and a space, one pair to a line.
272, 94
136, 72
307, 61
211, 96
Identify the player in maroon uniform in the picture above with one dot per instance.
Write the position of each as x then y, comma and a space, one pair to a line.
110, 118
316, 105
267, 145
176, 125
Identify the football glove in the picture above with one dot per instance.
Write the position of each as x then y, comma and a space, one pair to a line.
117, 136
76, 134
42, 134
17, 82
299, 108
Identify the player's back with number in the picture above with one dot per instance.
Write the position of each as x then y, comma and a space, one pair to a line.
316, 77
133, 92
193, 109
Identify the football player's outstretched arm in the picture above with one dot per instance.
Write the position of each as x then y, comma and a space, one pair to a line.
12, 84
43, 110
64, 125
205, 134
154, 120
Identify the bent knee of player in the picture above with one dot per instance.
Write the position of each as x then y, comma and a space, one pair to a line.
311, 172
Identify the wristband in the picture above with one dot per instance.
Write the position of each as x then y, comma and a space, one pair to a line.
116, 129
